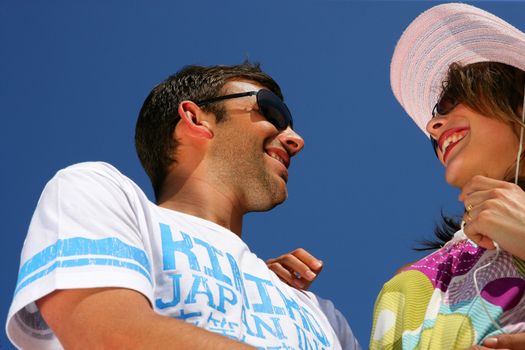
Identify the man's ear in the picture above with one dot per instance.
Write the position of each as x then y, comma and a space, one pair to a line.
195, 121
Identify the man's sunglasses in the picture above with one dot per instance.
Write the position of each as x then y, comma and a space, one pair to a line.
270, 106
444, 106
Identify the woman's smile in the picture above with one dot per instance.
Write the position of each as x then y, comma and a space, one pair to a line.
449, 139
473, 144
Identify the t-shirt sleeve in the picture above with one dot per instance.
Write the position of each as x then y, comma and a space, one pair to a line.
339, 324
84, 233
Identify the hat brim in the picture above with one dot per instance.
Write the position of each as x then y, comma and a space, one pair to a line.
443, 35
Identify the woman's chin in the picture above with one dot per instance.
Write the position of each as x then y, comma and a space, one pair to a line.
454, 179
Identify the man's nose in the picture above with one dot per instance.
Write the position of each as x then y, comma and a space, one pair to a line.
291, 141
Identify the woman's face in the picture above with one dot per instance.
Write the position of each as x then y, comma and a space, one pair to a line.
471, 144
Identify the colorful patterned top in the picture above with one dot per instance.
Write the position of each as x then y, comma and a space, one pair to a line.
433, 304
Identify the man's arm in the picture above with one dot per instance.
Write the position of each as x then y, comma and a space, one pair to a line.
117, 318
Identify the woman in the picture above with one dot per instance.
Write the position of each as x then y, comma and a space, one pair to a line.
469, 65
441, 301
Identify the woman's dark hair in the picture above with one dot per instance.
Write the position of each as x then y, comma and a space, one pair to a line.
494, 90
443, 233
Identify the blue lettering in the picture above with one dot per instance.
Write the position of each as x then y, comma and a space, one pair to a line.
169, 247
239, 284
244, 321
276, 331
197, 282
304, 342
292, 305
184, 316
317, 330
301, 337
216, 270
266, 306
232, 300
307, 319
176, 293
215, 321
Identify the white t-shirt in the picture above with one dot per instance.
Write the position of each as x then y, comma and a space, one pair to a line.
93, 227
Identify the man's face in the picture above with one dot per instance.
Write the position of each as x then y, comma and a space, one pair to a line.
249, 155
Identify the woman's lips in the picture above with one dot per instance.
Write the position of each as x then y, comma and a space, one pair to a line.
449, 139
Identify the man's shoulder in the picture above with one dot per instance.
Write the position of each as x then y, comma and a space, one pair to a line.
93, 171
91, 167
95, 177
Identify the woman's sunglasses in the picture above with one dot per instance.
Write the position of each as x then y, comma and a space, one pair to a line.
444, 106
270, 106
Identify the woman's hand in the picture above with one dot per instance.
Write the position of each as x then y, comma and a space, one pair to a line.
505, 341
495, 211
298, 268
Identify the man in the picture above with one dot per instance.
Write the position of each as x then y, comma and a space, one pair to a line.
102, 267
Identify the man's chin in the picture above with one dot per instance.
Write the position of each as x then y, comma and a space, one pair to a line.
280, 201
271, 203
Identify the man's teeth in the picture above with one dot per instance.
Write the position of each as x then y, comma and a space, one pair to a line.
451, 139
275, 156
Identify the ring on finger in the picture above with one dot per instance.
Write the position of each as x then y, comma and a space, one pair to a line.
469, 207
297, 274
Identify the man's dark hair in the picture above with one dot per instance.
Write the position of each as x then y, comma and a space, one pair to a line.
159, 114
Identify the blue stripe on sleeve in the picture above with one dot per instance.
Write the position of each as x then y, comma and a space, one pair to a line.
74, 247
83, 262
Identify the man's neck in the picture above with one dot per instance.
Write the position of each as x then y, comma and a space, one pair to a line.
199, 198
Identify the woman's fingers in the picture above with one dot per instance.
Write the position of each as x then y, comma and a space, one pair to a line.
298, 268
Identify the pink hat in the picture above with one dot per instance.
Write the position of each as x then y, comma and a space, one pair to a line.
443, 35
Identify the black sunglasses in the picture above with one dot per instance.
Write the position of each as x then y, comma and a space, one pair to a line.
270, 106
444, 106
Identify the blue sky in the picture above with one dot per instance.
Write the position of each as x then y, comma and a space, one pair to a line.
364, 190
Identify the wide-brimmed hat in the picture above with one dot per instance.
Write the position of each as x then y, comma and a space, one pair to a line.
443, 35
